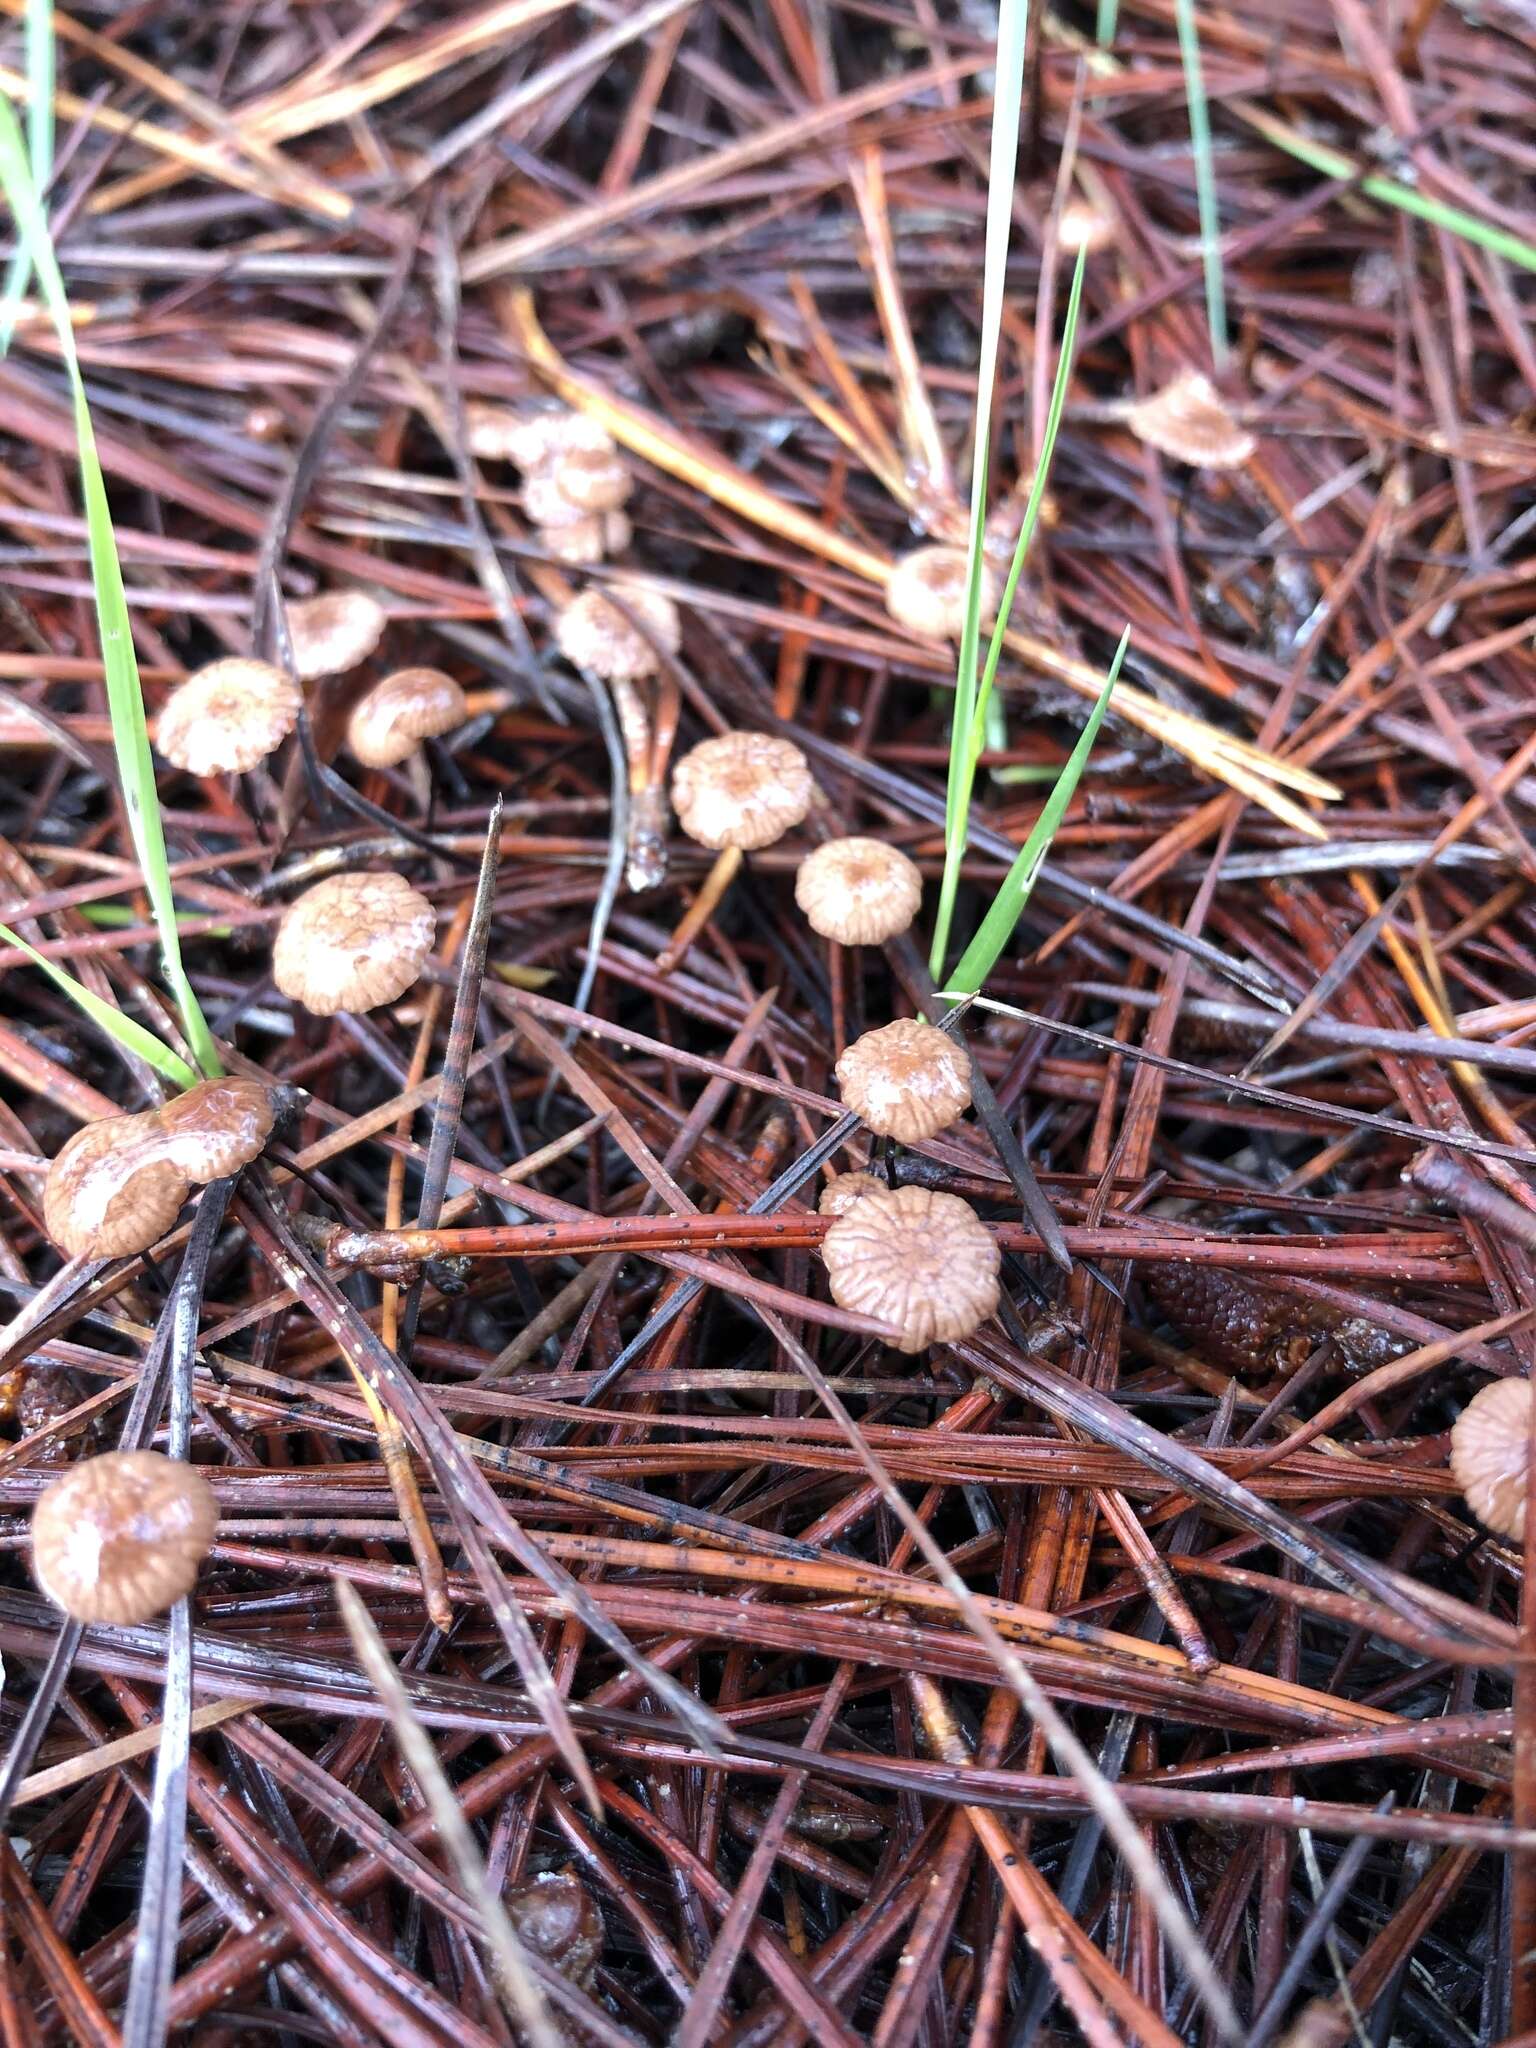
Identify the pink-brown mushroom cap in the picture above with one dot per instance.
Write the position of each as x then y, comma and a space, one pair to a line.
119, 1538
844, 1189
916, 1259
1490, 1455
390, 722
334, 631
216, 1127
926, 591
858, 892
906, 1080
741, 789
352, 942
112, 1190
228, 716
1189, 420
593, 633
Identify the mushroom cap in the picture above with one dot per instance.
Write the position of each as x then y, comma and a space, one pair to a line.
858, 892
592, 633
926, 591
742, 789
119, 1538
555, 1916
1084, 226
844, 1189
228, 716
1188, 420
112, 1189
397, 714
907, 1080
334, 631
352, 942
585, 542
216, 1127
546, 503
917, 1259
596, 479
530, 436
1490, 1453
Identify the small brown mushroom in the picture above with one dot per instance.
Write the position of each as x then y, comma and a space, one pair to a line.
906, 1080
587, 540
389, 723
1490, 1455
844, 1189
741, 789
858, 892
914, 1258
592, 633
598, 480
112, 1189
333, 632
926, 592
216, 1127
1188, 420
352, 942
555, 1916
119, 1538
1084, 226
531, 436
228, 716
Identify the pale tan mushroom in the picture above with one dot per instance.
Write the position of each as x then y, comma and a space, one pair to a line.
916, 1259
119, 1538
592, 633
1189, 420
596, 479
906, 1080
741, 790
352, 942
858, 892
588, 540
216, 1127
530, 436
844, 1189
1084, 226
1490, 1455
390, 722
926, 591
112, 1190
333, 632
228, 716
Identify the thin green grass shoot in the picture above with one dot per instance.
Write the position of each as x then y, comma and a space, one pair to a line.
1107, 23
125, 701
128, 1031
1205, 181
997, 927
38, 35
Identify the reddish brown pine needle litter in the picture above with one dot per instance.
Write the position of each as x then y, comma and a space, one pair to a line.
777, 1657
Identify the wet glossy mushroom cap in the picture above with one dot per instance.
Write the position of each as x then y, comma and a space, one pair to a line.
741, 789
844, 1189
858, 892
926, 592
120, 1538
112, 1190
391, 721
1188, 420
592, 633
334, 632
1490, 1454
228, 716
531, 436
216, 1127
907, 1080
352, 942
555, 1916
917, 1259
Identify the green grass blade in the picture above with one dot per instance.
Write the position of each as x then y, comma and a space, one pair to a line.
1030, 520
1108, 21
128, 1032
1008, 93
38, 32
125, 701
997, 927
1205, 180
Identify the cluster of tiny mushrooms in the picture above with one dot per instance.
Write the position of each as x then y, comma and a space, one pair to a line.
119, 1538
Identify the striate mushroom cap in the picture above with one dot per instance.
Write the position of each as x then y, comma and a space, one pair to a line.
119, 1538
334, 631
216, 1127
926, 592
397, 714
906, 1080
844, 1189
914, 1258
858, 892
596, 479
352, 942
228, 716
741, 789
531, 436
112, 1190
1188, 420
592, 633
555, 1916
546, 504
1490, 1454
